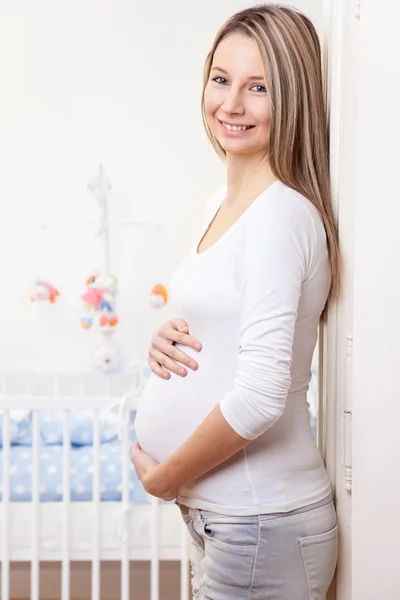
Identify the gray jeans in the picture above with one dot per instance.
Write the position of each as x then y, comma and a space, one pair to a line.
284, 556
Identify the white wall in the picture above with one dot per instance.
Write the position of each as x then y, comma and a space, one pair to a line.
376, 361
83, 83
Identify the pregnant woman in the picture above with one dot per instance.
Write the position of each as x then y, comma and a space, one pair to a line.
230, 438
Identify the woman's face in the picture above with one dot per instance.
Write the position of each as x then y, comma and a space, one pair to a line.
236, 95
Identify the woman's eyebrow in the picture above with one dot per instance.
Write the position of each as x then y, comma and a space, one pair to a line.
253, 78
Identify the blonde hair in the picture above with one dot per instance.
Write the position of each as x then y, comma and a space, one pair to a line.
298, 150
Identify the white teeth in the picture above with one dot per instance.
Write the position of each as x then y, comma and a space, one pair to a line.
236, 127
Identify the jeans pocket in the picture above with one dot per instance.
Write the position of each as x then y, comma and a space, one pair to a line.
319, 554
238, 534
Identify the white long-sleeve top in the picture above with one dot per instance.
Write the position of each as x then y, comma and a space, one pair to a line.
254, 300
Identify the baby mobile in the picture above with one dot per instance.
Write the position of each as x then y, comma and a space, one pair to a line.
99, 299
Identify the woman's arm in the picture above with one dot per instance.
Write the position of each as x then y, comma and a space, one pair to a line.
278, 250
213, 442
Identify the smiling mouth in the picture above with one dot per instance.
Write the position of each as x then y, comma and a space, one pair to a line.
234, 127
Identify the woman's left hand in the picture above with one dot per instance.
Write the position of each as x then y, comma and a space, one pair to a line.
146, 470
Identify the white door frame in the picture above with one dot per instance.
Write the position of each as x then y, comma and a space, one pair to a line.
332, 49
340, 47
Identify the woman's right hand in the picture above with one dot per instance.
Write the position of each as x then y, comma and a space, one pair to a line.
163, 354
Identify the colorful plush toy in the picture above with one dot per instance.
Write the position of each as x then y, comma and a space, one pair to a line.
99, 298
158, 296
43, 290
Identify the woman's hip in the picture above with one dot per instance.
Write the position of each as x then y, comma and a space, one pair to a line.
289, 556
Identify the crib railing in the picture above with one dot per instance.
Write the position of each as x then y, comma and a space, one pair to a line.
68, 403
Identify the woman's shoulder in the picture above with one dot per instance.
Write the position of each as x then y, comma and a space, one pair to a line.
281, 206
280, 198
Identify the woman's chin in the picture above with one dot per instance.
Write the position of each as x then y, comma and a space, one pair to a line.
237, 148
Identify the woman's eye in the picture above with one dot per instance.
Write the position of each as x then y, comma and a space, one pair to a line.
258, 85
215, 79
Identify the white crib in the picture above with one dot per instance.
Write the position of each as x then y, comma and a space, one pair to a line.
95, 530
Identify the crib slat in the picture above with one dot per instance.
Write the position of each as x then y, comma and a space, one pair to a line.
5, 560
96, 505
155, 565
125, 508
66, 557
108, 386
36, 507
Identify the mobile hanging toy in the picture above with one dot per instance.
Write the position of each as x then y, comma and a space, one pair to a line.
43, 290
99, 299
158, 296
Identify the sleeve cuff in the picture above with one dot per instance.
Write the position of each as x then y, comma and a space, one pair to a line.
232, 421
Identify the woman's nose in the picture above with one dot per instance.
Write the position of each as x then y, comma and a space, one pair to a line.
233, 102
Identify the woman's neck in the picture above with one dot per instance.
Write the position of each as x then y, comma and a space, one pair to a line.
247, 178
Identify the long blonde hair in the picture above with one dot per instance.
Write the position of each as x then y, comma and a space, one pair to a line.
298, 150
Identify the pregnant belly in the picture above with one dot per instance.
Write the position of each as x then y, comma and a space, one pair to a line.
171, 410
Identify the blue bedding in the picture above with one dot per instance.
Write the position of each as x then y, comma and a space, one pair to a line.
81, 470
81, 460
